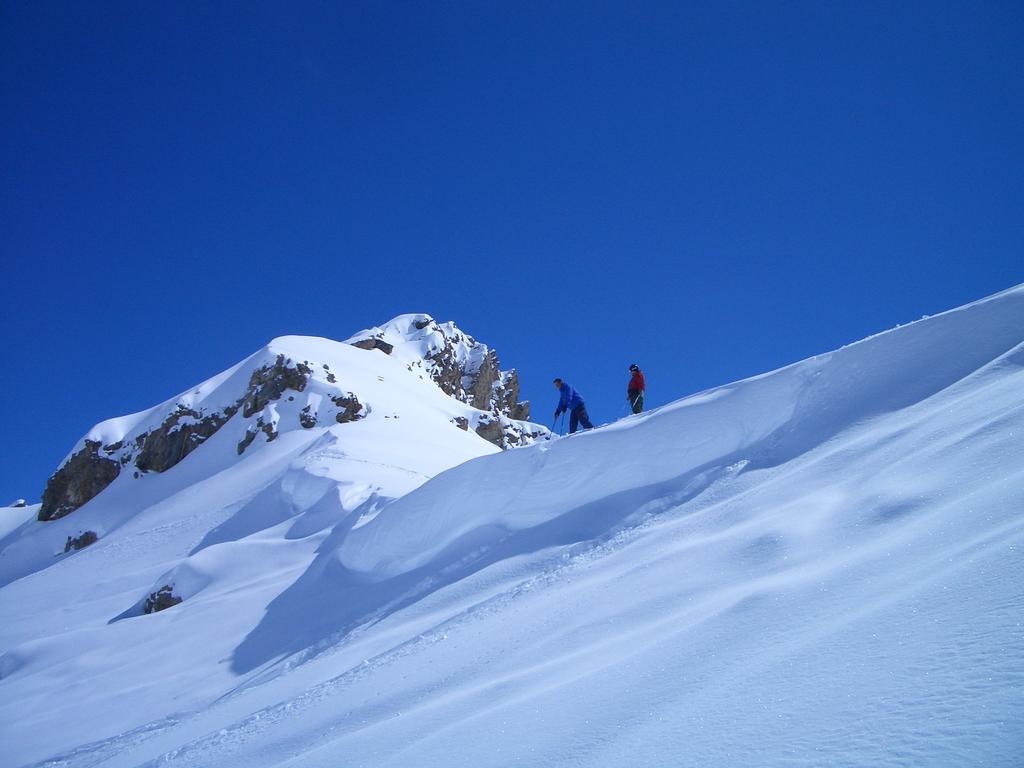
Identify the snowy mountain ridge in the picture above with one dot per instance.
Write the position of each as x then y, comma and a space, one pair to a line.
760, 422
818, 565
460, 365
299, 370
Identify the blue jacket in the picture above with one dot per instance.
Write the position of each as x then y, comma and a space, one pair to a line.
570, 399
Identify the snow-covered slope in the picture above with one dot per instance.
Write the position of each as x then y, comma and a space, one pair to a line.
817, 566
221, 496
377, 423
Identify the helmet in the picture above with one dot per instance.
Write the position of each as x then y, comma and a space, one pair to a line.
634, 367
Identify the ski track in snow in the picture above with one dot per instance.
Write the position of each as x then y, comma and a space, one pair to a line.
551, 571
557, 568
242, 732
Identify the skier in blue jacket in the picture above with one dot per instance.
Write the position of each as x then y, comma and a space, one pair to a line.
571, 401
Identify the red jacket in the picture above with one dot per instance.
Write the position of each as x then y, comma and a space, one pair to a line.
636, 384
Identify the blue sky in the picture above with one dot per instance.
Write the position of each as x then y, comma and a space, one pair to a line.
711, 190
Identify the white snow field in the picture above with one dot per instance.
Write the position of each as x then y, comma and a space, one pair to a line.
819, 566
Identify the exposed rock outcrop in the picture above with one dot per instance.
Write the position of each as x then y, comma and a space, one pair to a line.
77, 481
492, 430
480, 390
181, 433
507, 433
458, 364
87, 473
477, 379
246, 441
462, 368
350, 409
455, 362
505, 397
80, 542
161, 600
307, 418
270, 382
374, 343
448, 372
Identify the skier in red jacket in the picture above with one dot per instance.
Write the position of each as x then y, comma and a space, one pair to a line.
635, 390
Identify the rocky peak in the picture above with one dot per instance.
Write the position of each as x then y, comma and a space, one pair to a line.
458, 364
276, 390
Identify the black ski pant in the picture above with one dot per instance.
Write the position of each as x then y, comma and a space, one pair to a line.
578, 416
636, 399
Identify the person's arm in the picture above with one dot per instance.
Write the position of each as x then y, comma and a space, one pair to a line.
561, 401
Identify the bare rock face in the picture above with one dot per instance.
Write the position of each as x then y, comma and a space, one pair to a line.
483, 382
161, 600
307, 418
507, 433
246, 441
462, 368
80, 542
468, 371
374, 343
491, 430
447, 372
349, 408
270, 382
505, 397
88, 472
269, 429
521, 412
488, 388
77, 481
181, 433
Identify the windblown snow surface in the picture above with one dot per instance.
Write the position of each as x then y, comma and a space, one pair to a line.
817, 566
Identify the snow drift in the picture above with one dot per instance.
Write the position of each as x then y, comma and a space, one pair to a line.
820, 565
761, 422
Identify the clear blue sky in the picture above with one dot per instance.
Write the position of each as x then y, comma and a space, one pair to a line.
712, 190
